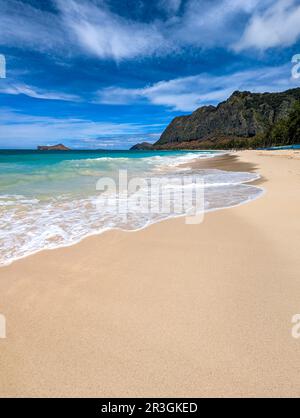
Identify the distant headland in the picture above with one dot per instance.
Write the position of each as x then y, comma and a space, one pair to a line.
58, 147
142, 146
245, 120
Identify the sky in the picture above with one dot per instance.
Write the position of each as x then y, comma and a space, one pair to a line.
110, 73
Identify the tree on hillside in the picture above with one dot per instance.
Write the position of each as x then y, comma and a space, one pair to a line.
286, 131
294, 125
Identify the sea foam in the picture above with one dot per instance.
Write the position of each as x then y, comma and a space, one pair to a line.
58, 206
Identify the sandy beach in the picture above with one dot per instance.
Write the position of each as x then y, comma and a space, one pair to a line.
173, 310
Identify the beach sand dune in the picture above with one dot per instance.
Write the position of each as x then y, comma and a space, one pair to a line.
172, 310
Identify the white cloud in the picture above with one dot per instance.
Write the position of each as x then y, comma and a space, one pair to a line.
18, 129
108, 35
171, 6
90, 27
36, 93
188, 93
277, 26
116, 141
209, 23
24, 26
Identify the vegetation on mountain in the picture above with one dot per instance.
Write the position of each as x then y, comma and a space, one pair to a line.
245, 120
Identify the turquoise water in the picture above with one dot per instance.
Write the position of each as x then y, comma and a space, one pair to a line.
49, 199
43, 174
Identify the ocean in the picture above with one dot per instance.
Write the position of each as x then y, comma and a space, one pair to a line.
50, 199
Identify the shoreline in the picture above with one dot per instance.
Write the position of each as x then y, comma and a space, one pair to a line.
225, 161
171, 310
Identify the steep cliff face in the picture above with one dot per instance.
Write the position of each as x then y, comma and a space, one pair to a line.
243, 115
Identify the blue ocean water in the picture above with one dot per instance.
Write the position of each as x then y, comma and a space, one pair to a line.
45, 173
49, 199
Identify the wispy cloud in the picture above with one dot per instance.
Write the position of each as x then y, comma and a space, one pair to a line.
108, 35
77, 40
37, 93
91, 27
278, 25
208, 24
115, 141
19, 129
203, 23
171, 6
24, 26
188, 93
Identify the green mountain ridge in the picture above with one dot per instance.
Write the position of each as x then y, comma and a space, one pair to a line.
244, 120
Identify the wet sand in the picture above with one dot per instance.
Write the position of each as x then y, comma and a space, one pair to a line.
172, 310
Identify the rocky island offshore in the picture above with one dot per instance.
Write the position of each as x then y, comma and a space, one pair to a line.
58, 147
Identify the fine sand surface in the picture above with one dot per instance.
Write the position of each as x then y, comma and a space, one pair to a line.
173, 310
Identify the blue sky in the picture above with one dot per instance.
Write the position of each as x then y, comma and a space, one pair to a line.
110, 73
